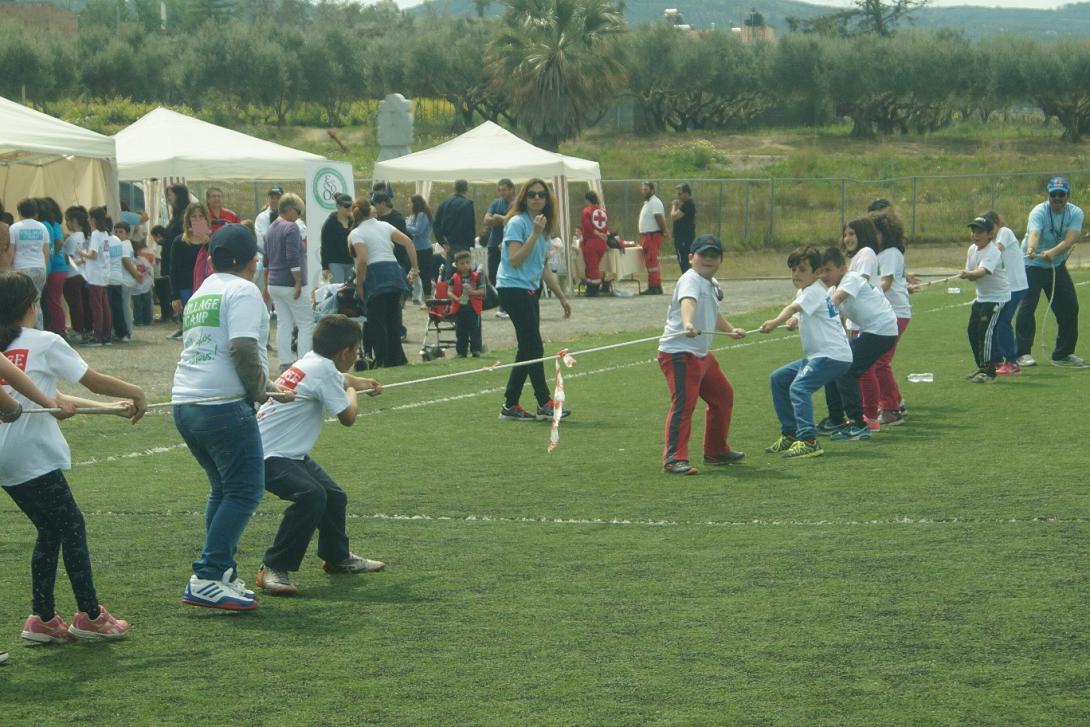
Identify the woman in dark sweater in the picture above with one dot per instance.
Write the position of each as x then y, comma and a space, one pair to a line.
336, 261
183, 256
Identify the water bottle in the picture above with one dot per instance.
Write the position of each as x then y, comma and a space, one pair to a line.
953, 291
925, 378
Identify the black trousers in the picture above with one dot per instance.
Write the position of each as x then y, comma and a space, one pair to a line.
383, 331
982, 335
317, 503
523, 307
866, 349
48, 502
1065, 306
494, 266
117, 311
162, 295
682, 247
427, 275
467, 330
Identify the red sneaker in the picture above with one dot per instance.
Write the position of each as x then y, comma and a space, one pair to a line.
103, 628
872, 424
1008, 369
54, 631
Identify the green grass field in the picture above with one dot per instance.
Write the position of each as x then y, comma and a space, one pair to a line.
933, 575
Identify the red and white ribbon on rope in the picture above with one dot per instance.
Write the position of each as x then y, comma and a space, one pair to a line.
558, 396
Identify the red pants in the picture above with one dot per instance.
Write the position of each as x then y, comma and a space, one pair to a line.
101, 320
54, 310
650, 242
883, 392
689, 376
594, 250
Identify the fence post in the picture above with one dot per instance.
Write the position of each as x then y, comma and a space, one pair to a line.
625, 214
994, 192
772, 209
914, 209
719, 217
257, 199
843, 185
745, 224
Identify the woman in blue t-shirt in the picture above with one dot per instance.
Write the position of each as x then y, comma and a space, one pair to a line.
531, 224
49, 214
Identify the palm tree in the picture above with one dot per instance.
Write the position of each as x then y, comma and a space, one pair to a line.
558, 61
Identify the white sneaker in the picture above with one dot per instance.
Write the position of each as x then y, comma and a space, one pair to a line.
3, 656
502, 315
276, 582
227, 593
1070, 361
1026, 360
353, 564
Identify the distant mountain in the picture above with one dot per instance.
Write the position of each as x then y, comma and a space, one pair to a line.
1068, 21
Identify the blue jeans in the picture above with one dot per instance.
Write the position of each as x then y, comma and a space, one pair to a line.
340, 272
225, 440
793, 387
1004, 331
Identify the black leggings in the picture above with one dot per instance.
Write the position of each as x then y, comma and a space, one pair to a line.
383, 330
522, 305
48, 503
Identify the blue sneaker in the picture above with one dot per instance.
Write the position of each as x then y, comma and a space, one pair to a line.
850, 433
516, 413
545, 411
227, 593
827, 426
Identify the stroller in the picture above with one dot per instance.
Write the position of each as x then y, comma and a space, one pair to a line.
341, 298
439, 331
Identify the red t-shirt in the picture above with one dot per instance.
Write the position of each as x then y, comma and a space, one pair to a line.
225, 217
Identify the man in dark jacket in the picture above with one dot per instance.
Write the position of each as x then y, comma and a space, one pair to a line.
456, 220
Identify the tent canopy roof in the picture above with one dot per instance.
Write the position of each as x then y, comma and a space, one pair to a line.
31, 137
485, 154
164, 143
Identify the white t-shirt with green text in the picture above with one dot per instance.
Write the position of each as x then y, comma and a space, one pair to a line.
223, 308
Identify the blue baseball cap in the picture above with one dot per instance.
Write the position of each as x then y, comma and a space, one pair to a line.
1058, 184
706, 243
232, 245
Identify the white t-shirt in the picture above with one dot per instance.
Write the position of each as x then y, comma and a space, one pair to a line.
97, 271
28, 237
651, 207
819, 325
1014, 262
992, 288
891, 263
866, 305
224, 307
117, 253
75, 242
707, 295
290, 429
864, 262
376, 235
126, 252
262, 223
33, 445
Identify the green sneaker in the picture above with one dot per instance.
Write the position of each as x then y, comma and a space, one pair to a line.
801, 449
781, 445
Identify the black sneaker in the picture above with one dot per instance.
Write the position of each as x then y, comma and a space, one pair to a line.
516, 414
827, 426
680, 467
545, 411
731, 457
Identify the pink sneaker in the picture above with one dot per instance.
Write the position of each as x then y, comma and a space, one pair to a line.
103, 628
54, 631
1008, 369
873, 424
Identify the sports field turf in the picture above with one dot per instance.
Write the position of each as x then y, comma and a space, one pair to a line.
933, 575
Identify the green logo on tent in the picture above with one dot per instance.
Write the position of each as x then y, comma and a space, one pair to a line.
327, 184
202, 312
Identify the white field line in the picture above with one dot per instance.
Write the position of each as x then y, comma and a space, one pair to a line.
622, 522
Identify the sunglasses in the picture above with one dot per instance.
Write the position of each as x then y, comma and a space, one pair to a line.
346, 205
543, 194
1058, 194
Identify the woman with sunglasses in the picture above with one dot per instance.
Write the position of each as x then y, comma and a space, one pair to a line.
336, 260
531, 224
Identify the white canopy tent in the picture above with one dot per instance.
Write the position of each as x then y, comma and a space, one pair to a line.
41, 156
488, 153
164, 143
